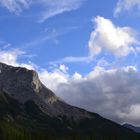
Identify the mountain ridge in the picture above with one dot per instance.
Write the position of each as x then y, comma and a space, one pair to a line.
27, 83
23, 98
134, 128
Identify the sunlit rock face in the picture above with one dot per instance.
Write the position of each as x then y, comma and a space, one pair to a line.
23, 85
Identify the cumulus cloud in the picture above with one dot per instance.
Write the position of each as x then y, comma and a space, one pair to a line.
112, 93
107, 37
63, 68
48, 8
126, 5
53, 79
10, 57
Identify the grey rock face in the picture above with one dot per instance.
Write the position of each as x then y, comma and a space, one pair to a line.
23, 85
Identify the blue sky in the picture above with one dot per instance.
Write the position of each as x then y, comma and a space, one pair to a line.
58, 36
86, 51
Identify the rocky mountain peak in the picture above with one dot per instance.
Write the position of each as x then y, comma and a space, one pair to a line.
24, 85
23, 74
21, 83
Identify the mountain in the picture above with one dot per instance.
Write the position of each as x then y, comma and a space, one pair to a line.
30, 111
134, 128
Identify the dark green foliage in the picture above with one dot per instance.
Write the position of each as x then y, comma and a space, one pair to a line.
12, 132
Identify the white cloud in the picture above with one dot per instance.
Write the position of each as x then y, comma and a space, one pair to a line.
15, 6
111, 93
77, 76
56, 7
10, 57
126, 5
53, 79
63, 68
112, 39
48, 8
72, 59
131, 114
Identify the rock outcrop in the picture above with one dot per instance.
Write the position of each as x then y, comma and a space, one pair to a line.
24, 85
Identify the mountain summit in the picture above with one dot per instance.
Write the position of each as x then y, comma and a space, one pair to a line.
24, 85
28, 108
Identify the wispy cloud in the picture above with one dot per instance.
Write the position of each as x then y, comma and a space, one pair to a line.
48, 35
57, 7
40, 40
15, 6
48, 8
72, 59
126, 5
